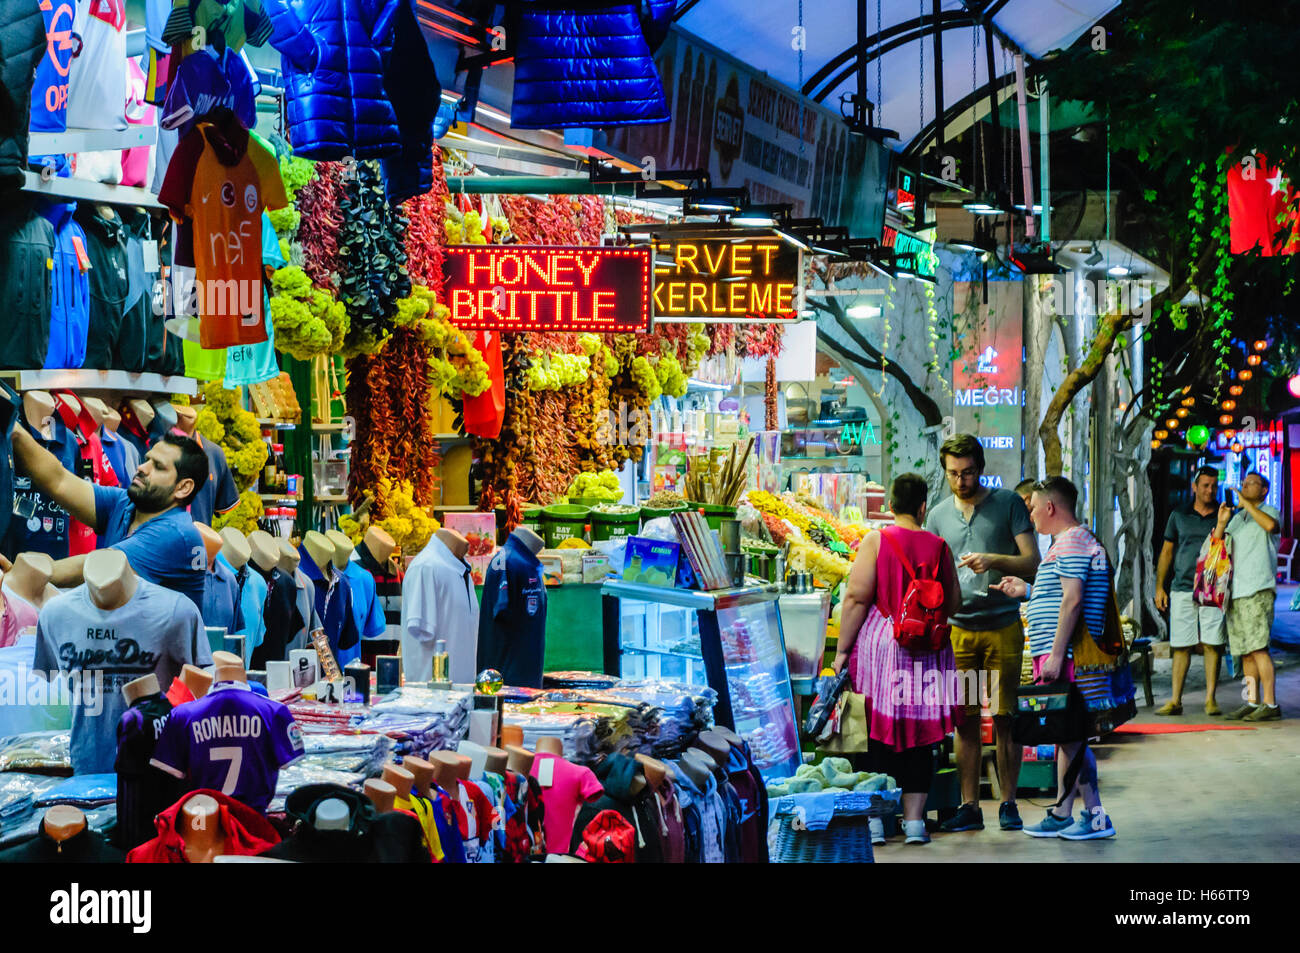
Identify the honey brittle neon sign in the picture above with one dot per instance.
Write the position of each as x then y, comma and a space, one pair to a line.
552, 288
725, 279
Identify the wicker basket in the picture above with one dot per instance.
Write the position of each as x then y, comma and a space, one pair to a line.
846, 840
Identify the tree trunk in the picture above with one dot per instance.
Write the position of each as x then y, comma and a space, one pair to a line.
1109, 328
1037, 332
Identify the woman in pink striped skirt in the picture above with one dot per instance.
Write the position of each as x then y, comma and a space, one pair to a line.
909, 696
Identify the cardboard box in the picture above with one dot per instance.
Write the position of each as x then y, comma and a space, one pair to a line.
651, 562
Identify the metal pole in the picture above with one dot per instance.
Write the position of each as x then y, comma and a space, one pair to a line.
938, 82
1044, 158
1026, 172
993, 108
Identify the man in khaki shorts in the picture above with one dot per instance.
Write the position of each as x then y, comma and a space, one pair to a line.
1254, 530
990, 535
1189, 624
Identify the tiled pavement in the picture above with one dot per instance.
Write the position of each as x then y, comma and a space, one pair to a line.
1205, 796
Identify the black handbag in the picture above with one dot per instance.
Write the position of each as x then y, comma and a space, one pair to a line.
829, 690
1050, 714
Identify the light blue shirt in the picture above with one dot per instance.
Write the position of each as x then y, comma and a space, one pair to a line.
1254, 553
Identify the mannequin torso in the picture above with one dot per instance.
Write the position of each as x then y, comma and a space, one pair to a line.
264, 550
109, 579
38, 409
320, 550
381, 794
342, 548
235, 547
289, 557
200, 828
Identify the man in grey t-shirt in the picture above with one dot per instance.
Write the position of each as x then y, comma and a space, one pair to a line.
990, 535
1185, 532
157, 631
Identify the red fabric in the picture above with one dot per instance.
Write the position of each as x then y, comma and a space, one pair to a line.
179, 693
923, 548
608, 839
485, 413
247, 832
1261, 204
81, 538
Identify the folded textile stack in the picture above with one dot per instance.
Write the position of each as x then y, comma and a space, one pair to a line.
592, 680
579, 732
18, 794
680, 713
316, 716
86, 791
421, 719
301, 773
38, 752
832, 773
362, 754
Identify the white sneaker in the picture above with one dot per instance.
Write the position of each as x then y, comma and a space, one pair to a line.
877, 828
916, 832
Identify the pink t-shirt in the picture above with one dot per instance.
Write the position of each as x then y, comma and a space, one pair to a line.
18, 614
571, 786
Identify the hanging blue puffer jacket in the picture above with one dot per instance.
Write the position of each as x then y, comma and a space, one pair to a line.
588, 64
332, 53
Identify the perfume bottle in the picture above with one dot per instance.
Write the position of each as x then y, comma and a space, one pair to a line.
441, 662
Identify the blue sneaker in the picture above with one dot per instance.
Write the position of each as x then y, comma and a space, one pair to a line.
1050, 826
1089, 827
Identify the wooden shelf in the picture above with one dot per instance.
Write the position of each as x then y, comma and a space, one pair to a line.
341, 498
84, 379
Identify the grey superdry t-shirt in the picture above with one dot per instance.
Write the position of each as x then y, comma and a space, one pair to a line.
994, 525
157, 631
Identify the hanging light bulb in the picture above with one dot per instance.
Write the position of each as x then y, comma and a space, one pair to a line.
1235, 390
1245, 374
1189, 401
1181, 413
1237, 447
1261, 345
1229, 405
1229, 434
1225, 419
1253, 360
1162, 434
1155, 444
1171, 423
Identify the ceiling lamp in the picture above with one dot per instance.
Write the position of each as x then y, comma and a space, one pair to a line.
1245, 374
1253, 360
863, 311
1118, 271
1225, 419
981, 244
986, 204
1293, 386
717, 201
758, 216
1095, 258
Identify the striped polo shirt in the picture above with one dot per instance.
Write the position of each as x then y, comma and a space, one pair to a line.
1075, 554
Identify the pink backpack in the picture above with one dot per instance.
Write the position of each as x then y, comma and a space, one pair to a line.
921, 624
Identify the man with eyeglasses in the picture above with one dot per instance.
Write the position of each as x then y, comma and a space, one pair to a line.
990, 533
1254, 530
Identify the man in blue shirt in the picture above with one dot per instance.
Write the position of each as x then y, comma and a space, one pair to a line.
147, 521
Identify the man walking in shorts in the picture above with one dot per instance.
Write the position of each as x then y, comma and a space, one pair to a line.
1254, 531
1189, 624
989, 533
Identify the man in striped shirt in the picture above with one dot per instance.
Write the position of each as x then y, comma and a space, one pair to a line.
1073, 581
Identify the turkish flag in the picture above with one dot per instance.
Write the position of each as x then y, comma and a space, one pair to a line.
485, 413
1263, 209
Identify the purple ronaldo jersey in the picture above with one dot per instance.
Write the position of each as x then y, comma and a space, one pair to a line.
231, 740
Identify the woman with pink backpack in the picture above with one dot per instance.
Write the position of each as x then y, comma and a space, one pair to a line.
894, 639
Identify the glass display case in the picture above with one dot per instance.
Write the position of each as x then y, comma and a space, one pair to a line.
730, 640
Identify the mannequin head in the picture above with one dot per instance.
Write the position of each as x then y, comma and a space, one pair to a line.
550, 745
112, 419
143, 411
512, 735
196, 680
379, 544
109, 579
531, 540
342, 548
400, 778
200, 828
265, 550
234, 546
228, 667
496, 760
30, 575
454, 541
381, 794
164, 417
691, 766
332, 814
445, 769
319, 549
63, 821
185, 417
519, 759
212, 541
715, 745
289, 556
655, 771
38, 408
729, 736
140, 688
97, 408
421, 772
